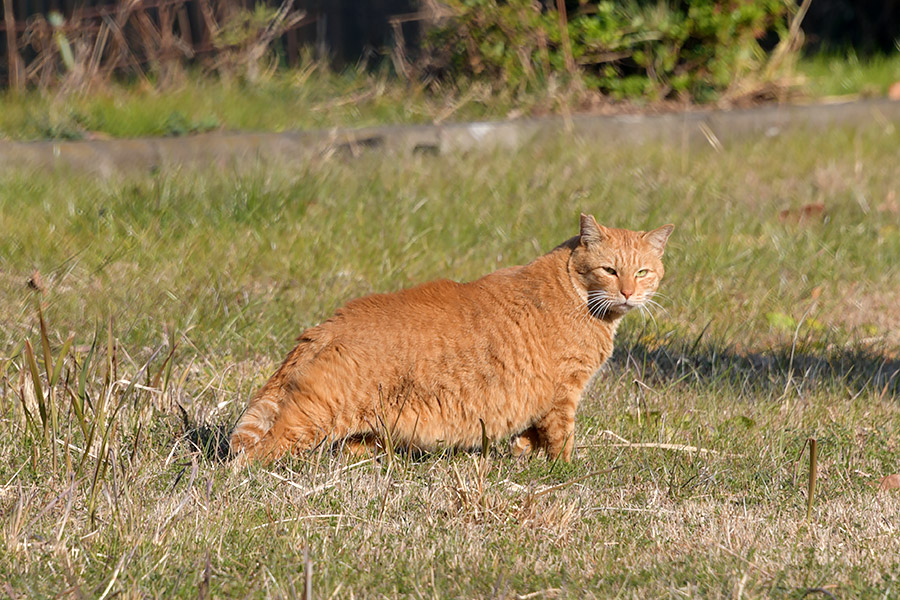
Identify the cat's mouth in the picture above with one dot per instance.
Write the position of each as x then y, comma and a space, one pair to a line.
619, 309
628, 305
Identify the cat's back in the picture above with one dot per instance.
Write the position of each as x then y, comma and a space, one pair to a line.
440, 300
429, 322
411, 306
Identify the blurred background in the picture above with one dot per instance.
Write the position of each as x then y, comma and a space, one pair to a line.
453, 59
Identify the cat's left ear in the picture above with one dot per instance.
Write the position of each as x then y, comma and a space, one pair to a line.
658, 237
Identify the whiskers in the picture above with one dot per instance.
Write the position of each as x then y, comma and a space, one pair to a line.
649, 301
599, 302
645, 312
597, 305
646, 304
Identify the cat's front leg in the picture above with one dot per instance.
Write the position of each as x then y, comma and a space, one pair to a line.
554, 432
558, 429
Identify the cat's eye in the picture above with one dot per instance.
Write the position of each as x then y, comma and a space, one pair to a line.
609, 270
641, 273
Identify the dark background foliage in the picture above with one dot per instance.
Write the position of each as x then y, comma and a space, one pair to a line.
635, 48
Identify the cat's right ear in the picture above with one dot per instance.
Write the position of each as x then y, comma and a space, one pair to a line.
591, 231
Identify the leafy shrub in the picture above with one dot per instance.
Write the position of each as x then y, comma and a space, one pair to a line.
651, 49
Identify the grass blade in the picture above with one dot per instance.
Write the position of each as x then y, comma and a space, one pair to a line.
137, 377
110, 353
45, 343
4, 365
36, 382
85, 368
59, 361
813, 472
100, 470
29, 420
166, 367
78, 409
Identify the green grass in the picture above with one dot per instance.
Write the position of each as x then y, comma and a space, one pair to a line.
833, 74
773, 331
314, 98
300, 99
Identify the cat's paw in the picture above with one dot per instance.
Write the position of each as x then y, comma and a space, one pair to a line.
521, 447
361, 447
527, 443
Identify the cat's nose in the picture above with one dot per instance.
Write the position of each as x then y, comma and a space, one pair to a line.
627, 293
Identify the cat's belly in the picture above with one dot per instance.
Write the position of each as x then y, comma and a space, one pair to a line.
457, 414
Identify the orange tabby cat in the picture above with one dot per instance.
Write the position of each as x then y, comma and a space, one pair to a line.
513, 350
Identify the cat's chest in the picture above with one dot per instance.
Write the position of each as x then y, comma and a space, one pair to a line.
583, 352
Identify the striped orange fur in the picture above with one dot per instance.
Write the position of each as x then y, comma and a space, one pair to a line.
427, 366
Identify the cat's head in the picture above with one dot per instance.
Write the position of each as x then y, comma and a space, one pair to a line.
618, 269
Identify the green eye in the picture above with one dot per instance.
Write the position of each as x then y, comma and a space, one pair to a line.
641, 273
609, 270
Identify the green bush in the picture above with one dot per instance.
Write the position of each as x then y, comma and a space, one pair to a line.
661, 49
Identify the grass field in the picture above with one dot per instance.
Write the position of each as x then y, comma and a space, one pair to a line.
310, 98
183, 290
316, 98
849, 74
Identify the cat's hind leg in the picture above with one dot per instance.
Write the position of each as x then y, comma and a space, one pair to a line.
255, 425
527, 443
556, 441
279, 421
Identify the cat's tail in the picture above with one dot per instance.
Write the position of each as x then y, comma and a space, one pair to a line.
284, 415
250, 438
